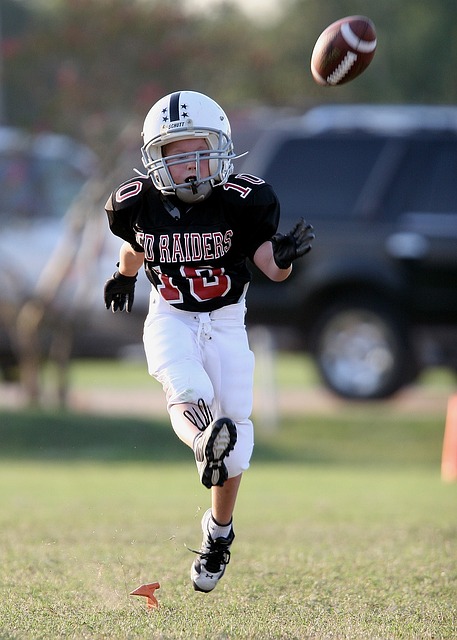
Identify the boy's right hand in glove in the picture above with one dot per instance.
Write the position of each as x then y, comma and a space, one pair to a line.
119, 292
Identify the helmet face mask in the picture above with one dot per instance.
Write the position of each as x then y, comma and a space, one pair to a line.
187, 115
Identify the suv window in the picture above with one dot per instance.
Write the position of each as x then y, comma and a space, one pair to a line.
425, 181
327, 183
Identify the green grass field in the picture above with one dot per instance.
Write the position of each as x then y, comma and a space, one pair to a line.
344, 529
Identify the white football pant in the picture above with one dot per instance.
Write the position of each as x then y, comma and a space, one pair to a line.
205, 355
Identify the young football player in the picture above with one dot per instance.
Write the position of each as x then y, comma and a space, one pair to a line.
194, 225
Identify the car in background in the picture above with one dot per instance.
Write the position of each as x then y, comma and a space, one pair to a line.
55, 246
376, 299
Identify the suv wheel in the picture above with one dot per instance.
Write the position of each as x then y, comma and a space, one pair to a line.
361, 350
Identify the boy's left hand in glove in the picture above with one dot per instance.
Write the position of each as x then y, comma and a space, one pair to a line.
293, 245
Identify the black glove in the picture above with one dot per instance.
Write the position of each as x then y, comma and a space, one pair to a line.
293, 245
119, 292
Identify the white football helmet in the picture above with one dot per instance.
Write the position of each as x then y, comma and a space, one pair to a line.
180, 116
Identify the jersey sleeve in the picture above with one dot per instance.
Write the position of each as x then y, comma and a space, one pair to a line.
122, 210
261, 215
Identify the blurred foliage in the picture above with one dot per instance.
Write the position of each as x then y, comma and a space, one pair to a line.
87, 67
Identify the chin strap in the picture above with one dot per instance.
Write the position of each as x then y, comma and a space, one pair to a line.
195, 192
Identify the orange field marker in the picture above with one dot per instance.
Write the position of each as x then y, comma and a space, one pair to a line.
449, 456
147, 590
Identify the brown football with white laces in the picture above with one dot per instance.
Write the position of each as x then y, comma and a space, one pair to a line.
343, 50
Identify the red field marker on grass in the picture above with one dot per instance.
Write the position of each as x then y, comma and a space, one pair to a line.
147, 590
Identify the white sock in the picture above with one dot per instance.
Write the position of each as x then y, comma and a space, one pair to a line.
218, 531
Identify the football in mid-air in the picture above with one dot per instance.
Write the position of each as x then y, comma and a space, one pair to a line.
343, 50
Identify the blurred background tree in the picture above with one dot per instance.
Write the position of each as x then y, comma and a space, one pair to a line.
87, 67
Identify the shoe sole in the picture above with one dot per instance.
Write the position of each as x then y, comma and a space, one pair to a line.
221, 441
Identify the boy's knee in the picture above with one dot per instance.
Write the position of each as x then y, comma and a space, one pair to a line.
238, 460
189, 390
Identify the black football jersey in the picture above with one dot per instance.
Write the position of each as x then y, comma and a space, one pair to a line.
196, 255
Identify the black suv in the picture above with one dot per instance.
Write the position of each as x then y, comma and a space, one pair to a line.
376, 299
